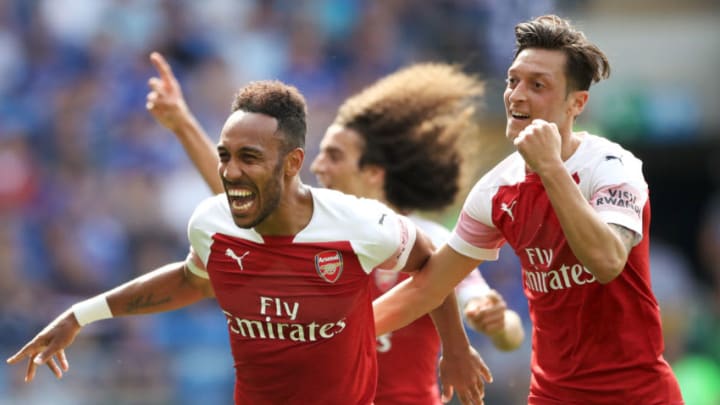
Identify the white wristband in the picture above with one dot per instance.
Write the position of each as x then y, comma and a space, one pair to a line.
91, 310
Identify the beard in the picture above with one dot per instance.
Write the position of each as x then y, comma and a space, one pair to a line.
270, 195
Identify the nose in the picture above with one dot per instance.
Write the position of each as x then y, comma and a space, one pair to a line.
317, 164
516, 93
231, 170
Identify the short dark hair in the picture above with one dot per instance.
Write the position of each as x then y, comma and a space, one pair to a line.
410, 122
586, 63
281, 101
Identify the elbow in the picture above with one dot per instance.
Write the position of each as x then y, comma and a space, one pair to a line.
608, 269
431, 297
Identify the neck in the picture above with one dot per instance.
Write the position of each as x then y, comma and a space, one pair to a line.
292, 214
570, 144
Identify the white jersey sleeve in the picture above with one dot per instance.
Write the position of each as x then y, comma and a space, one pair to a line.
615, 185
475, 235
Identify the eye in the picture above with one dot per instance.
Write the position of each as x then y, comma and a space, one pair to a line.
223, 155
511, 81
538, 85
249, 158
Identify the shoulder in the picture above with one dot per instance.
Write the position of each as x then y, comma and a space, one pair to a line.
344, 208
338, 216
608, 161
510, 170
374, 231
211, 216
210, 209
478, 203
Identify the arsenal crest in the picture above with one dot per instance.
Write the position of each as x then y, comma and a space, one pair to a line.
329, 265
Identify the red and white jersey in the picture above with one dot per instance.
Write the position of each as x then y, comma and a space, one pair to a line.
591, 342
298, 308
408, 357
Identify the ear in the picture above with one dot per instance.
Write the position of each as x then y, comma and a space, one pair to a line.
294, 161
578, 101
374, 174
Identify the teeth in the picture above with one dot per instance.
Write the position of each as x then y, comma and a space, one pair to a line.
241, 206
239, 193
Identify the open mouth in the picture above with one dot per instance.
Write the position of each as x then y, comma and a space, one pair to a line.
241, 199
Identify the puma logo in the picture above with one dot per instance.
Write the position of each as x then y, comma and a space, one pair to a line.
237, 258
508, 209
382, 219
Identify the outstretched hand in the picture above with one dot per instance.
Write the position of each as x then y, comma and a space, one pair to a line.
48, 347
165, 100
465, 374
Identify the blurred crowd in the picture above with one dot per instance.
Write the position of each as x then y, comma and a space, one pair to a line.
93, 192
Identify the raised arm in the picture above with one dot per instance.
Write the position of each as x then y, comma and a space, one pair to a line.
166, 103
600, 247
167, 288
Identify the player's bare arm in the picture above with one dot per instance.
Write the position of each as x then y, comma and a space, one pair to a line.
593, 242
167, 105
598, 247
626, 235
462, 370
166, 288
422, 292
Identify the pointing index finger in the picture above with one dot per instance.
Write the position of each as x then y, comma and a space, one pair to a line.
166, 73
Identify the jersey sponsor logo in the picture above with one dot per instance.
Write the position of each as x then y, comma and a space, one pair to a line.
562, 278
508, 209
329, 265
550, 280
279, 319
267, 329
385, 279
229, 253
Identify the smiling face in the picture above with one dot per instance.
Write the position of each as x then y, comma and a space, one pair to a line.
251, 166
537, 88
337, 166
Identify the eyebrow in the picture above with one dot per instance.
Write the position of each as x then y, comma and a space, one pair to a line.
332, 149
531, 74
224, 148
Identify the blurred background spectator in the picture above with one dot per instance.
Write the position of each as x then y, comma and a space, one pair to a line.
93, 192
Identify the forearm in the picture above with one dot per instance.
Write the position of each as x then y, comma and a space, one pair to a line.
449, 325
398, 307
422, 292
200, 149
592, 241
165, 289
